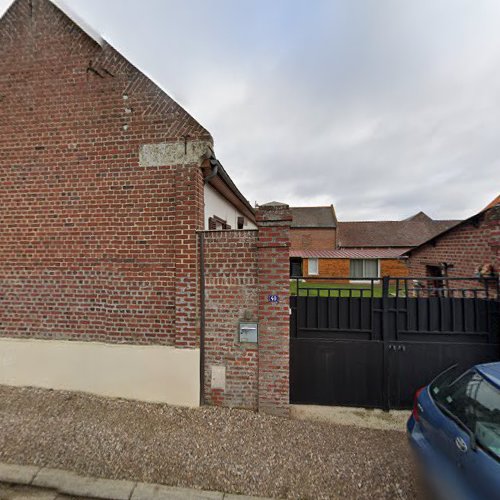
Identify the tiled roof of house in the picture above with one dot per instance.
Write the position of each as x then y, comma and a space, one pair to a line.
420, 216
494, 203
350, 253
314, 217
405, 233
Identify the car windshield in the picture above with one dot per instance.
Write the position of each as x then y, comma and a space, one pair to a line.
475, 402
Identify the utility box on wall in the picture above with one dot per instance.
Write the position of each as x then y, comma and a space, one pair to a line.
248, 332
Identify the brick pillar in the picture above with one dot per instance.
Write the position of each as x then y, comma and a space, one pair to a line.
492, 223
188, 219
273, 220
184, 215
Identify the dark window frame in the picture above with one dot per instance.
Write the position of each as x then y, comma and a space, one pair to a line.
214, 221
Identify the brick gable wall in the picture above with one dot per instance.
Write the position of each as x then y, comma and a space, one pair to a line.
101, 205
312, 239
95, 245
469, 245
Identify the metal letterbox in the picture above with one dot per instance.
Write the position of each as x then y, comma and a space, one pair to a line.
248, 332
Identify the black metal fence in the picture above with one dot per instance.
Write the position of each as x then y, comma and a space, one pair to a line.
372, 342
429, 286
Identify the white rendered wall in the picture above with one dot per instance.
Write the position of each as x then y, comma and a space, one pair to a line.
161, 374
215, 204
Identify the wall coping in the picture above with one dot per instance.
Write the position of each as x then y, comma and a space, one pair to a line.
225, 231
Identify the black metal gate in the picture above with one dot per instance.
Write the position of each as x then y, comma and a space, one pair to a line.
375, 345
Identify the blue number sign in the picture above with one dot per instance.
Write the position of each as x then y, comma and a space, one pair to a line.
273, 298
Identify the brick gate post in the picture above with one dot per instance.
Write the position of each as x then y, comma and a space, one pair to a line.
273, 220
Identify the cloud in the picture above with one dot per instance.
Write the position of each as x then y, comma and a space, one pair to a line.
381, 107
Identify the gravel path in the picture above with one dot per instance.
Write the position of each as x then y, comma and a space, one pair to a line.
235, 451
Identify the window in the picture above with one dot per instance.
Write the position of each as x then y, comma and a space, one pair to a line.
312, 267
295, 266
433, 270
474, 404
216, 223
241, 222
364, 268
436, 287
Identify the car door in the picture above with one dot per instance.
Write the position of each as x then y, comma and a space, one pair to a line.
439, 425
447, 434
481, 462
472, 407
446, 438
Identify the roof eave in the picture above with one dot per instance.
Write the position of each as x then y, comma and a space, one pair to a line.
442, 233
313, 227
223, 177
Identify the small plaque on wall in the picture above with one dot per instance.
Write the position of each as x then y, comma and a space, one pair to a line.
249, 332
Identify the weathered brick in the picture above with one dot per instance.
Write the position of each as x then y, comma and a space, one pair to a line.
242, 268
94, 245
466, 247
312, 239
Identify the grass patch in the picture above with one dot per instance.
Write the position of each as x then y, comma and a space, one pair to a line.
315, 289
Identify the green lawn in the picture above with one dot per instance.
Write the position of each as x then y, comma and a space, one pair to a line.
313, 289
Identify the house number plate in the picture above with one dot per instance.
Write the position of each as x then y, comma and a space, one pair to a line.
273, 298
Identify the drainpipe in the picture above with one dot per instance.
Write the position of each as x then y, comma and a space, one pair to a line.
215, 169
202, 318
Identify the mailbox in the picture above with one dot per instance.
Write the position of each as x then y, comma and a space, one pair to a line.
248, 332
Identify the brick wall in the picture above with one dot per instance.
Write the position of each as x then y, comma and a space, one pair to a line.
96, 244
328, 267
466, 247
231, 296
333, 267
393, 267
242, 269
312, 239
341, 267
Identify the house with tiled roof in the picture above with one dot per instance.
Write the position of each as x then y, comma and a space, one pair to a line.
312, 229
106, 183
469, 248
389, 234
366, 249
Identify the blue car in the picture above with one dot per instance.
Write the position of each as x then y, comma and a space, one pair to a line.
454, 430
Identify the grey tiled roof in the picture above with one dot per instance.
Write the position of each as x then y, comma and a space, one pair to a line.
314, 217
405, 233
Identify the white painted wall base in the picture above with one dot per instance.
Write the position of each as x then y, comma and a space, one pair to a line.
147, 373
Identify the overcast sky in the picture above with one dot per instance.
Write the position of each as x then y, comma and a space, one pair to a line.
381, 107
